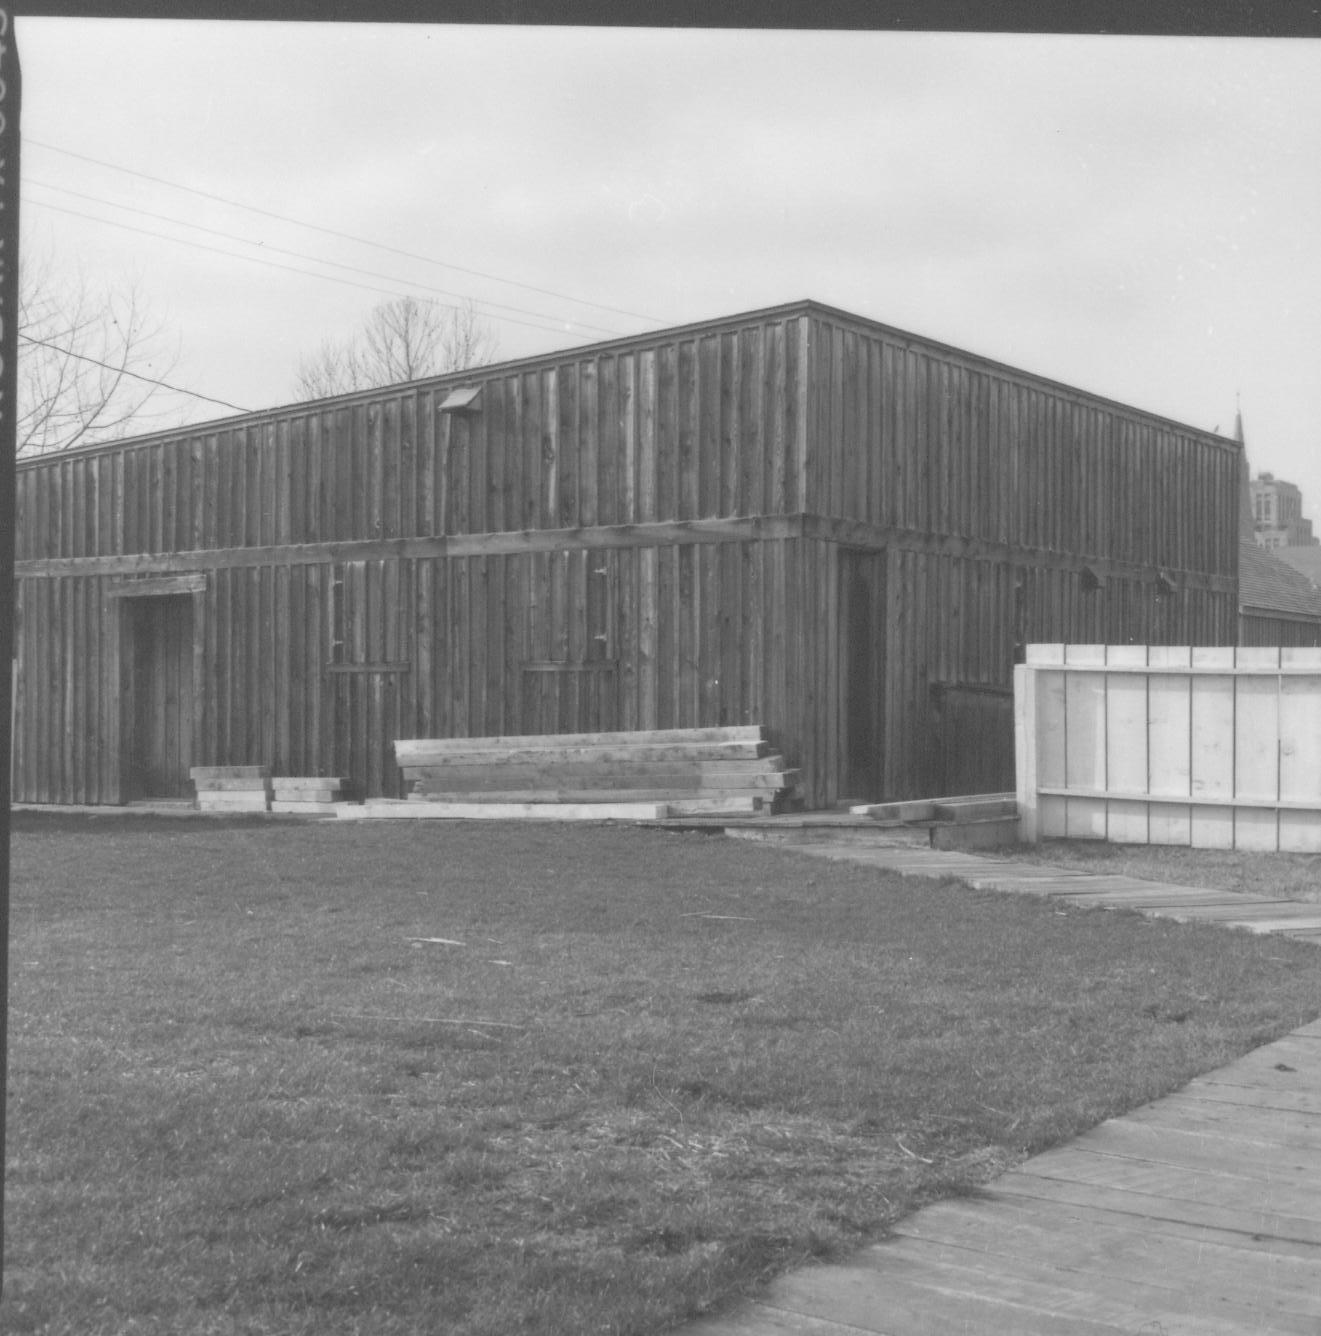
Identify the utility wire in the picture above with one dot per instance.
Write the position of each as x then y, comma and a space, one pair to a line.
275, 264
282, 250
332, 232
124, 371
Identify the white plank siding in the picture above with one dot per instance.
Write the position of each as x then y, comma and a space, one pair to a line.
1215, 748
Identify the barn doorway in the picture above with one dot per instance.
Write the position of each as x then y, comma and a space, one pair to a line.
158, 701
862, 623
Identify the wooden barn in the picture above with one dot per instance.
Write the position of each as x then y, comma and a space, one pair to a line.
795, 517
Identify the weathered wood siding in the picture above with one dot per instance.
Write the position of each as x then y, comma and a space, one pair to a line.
1012, 509
315, 668
1264, 629
931, 441
694, 427
644, 534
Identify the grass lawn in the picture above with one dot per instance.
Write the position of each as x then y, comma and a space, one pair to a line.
254, 1091
1283, 876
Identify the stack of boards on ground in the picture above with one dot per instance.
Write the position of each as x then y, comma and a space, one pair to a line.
232, 788
592, 776
308, 795
250, 788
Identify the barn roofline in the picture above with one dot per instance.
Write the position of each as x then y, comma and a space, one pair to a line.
803, 306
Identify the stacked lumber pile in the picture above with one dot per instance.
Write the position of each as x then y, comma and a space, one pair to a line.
658, 773
232, 788
308, 795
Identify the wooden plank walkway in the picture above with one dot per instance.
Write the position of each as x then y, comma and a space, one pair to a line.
1196, 1215
1159, 899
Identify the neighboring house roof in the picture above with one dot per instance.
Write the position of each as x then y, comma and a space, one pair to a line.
1304, 559
1267, 584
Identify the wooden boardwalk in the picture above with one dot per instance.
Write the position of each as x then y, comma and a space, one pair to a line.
1196, 1215
1160, 899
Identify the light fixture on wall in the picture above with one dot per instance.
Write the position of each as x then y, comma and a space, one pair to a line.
462, 400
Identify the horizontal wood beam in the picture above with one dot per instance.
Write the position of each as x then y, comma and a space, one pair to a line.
160, 587
1183, 799
855, 533
670, 533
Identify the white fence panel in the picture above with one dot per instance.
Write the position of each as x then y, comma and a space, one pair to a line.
1209, 747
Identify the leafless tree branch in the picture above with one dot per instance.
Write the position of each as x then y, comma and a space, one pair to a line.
82, 353
403, 339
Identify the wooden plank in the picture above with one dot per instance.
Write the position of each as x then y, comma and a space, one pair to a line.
1169, 742
738, 742
1018, 1232
728, 800
1051, 753
406, 748
413, 811
1257, 740
1025, 752
1126, 764
1212, 747
1061, 1270
1289, 1129
1202, 1152
660, 751
1084, 741
568, 511
608, 443
255, 800
1254, 1232
901, 1298
1300, 751
527, 776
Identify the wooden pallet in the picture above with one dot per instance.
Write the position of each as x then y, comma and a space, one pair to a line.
681, 770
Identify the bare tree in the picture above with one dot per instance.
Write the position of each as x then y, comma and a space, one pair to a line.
89, 360
403, 339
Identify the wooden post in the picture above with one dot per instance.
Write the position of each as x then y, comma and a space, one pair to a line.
1025, 751
10, 96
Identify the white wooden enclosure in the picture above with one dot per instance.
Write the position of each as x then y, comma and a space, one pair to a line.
1213, 748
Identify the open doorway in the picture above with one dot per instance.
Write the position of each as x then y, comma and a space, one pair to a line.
862, 625
158, 699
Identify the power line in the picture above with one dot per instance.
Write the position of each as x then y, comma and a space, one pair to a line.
283, 250
124, 371
330, 231
275, 264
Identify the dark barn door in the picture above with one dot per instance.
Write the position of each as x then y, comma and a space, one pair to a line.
975, 737
862, 620
158, 704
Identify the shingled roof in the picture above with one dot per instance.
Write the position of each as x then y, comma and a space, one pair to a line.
1304, 559
1267, 584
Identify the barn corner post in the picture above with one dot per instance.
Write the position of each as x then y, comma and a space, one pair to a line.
9, 108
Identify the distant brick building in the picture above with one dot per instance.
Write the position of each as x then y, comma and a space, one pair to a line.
1277, 514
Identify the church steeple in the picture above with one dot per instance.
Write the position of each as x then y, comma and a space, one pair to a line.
1246, 522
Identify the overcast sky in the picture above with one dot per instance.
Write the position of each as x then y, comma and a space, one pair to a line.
1134, 216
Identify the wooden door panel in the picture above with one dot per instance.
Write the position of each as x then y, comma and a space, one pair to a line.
158, 740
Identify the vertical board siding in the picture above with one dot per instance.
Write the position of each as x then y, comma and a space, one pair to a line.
964, 451
310, 665
1208, 747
